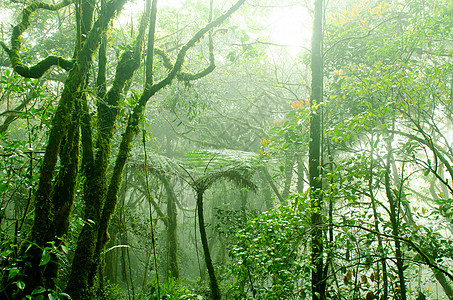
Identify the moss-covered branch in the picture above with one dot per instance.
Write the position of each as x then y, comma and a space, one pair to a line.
134, 119
187, 76
43, 66
137, 113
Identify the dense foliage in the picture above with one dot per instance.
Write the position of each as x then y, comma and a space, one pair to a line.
176, 151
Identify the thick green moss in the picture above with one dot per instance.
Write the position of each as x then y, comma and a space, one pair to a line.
43, 66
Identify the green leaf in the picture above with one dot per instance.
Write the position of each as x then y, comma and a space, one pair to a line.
20, 285
64, 248
13, 273
45, 258
65, 295
38, 290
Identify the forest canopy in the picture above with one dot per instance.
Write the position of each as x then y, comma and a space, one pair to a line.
235, 149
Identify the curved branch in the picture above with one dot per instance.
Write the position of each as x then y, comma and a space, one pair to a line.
187, 76
368, 34
43, 66
407, 241
437, 150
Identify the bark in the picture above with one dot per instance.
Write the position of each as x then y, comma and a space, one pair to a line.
63, 196
267, 194
314, 163
300, 176
94, 231
444, 283
172, 242
380, 248
44, 65
204, 241
44, 209
289, 171
394, 219
134, 119
272, 184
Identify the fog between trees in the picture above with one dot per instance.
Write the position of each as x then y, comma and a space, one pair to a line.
201, 150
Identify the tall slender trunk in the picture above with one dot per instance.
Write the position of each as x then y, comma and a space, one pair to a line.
300, 175
316, 197
380, 247
289, 171
204, 241
394, 218
172, 225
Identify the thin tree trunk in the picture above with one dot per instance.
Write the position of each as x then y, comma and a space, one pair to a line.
204, 241
394, 219
316, 201
289, 166
272, 184
300, 175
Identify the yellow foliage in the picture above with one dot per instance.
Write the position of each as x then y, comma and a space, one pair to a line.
264, 142
298, 104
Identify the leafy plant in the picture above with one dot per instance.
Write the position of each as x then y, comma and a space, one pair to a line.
269, 259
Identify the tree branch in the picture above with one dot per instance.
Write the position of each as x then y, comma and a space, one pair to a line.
43, 66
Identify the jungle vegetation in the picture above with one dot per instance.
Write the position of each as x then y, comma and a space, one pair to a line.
207, 149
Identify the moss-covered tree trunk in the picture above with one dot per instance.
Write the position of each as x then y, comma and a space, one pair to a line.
51, 193
314, 163
150, 89
86, 256
172, 226
94, 234
63, 195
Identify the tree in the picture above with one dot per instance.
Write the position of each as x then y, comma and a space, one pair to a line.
54, 200
314, 160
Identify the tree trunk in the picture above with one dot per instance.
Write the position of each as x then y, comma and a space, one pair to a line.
172, 242
204, 241
314, 164
394, 219
63, 196
289, 171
